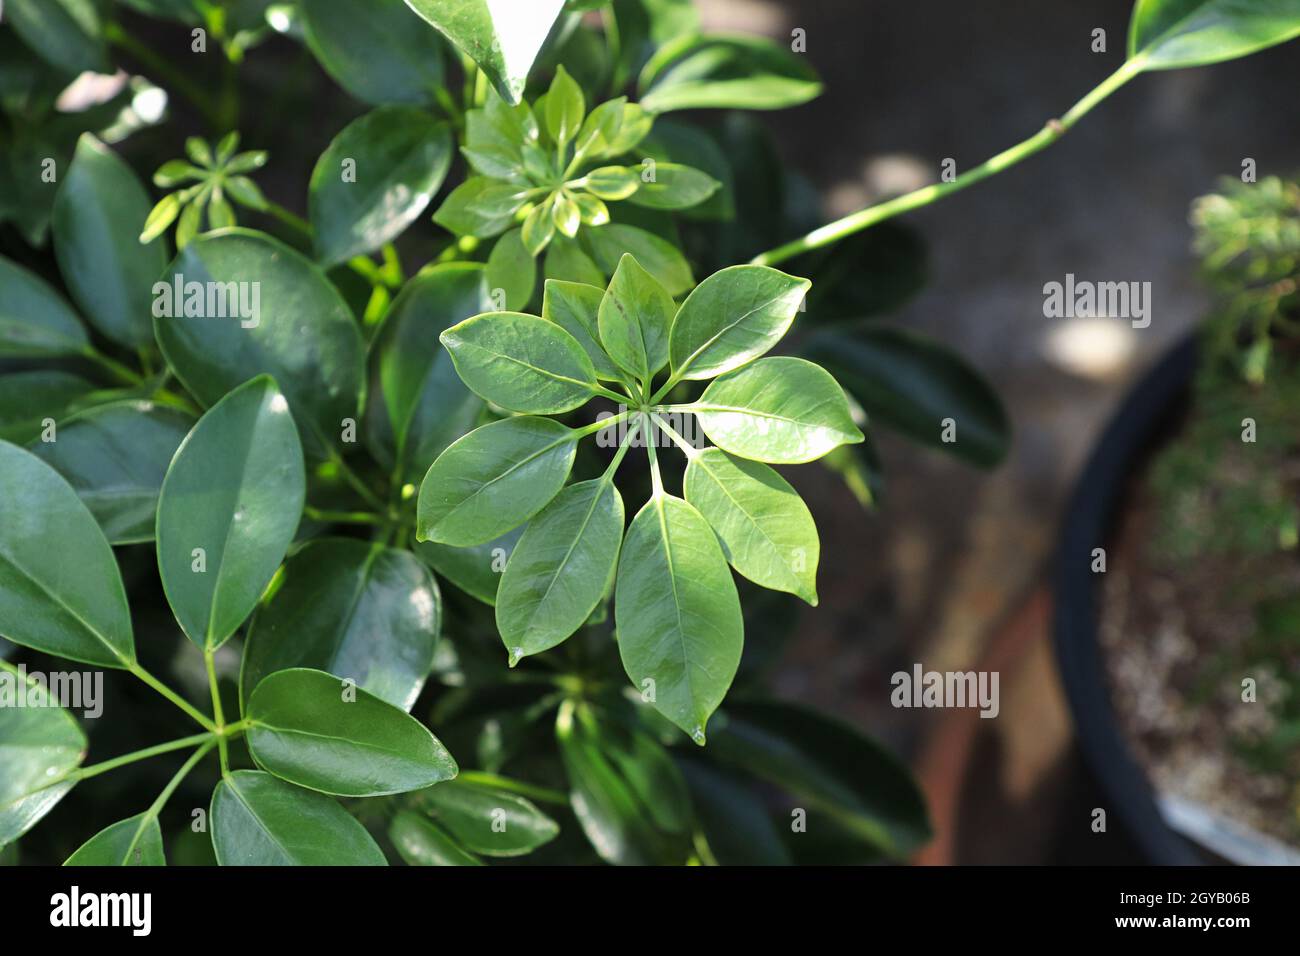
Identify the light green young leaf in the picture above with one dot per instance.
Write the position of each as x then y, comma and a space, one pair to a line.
487, 820
481, 207
258, 820
99, 211
380, 54
612, 182
653, 253
135, 841
319, 731
228, 510
493, 480
765, 527
634, 320
565, 107
566, 215
726, 72
782, 410
83, 616
575, 307
352, 608
34, 320
732, 318
561, 568
679, 624
1168, 34
401, 157
39, 746
539, 227
521, 362
115, 457
502, 36
421, 843
674, 187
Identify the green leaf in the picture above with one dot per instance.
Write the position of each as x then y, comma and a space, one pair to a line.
1168, 34
575, 307
735, 821
502, 36
829, 765
321, 732
34, 319
352, 608
160, 217
782, 410
732, 318
565, 108
65, 33
487, 820
419, 405
115, 457
561, 568
567, 215
258, 820
612, 182
674, 187
635, 316
539, 228
521, 362
566, 261
656, 255
475, 570
39, 745
421, 843
228, 510
28, 399
380, 54
679, 624
82, 616
511, 269
481, 207
912, 383
726, 72
766, 529
677, 142
135, 841
494, 479
375, 179
303, 333
98, 214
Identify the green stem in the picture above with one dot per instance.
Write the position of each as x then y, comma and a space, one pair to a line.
290, 219
210, 665
1054, 130
343, 517
655, 478
94, 770
614, 396
357, 485
159, 66
156, 807
203, 720
600, 424
690, 450
541, 794
119, 372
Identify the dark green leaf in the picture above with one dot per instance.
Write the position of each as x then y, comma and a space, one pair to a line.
380, 54
486, 820
575, 307
34, 319
135, 841
674, 187
421, 843
475, 570
511, 272
634, 320
657, 256
738, 827
28, 399
66, 33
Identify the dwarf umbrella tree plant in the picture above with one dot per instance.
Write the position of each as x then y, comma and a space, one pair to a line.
314, 507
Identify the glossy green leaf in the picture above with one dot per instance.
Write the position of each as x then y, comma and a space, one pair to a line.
634, 319
67, 34
375, 179
674, 186
321, 732
380, 55
561, 568
82, 616
422, 843
913, 383
521, 362
656, 255
99, 211
228, 510
679, 625
303, 333
135, 841
677, 142
494, 479
726, 72
511, 272
258, 820
575, 307
422, 405
566, 107
475, 570
481, 207
352, 608
115, 457
612, 182
30, 400
1168, 34
782, 410
539, 228
34, 319
487, 820
39, 745
502, 36
567, 262
766, 530
829, 765
733, 317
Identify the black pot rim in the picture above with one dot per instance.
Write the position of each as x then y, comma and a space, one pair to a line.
1094, 505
